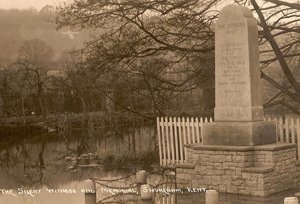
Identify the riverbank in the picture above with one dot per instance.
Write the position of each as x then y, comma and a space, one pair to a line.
56, 122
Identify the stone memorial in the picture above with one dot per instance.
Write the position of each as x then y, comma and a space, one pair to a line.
239, 153
238, 109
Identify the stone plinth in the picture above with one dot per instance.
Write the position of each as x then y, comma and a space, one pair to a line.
248, 170
239, 133
244, 114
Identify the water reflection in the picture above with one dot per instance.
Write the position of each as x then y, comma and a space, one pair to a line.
58, 164
38, 160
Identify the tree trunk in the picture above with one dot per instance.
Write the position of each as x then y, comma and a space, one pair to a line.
41, 100
85, 111
23, 109
84, 106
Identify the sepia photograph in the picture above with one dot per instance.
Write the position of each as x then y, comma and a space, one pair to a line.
149, 101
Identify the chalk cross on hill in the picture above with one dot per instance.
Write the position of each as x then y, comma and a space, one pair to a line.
70, 33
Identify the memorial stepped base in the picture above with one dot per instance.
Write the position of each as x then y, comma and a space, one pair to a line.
239, 133
247, 170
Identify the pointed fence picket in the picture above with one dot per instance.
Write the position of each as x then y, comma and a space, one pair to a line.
174, 133
289, 131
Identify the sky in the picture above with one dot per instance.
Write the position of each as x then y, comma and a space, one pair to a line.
38, 4
26, 4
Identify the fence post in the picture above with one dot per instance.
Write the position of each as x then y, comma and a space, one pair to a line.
287, 135
163, 141
180, 139
146, 194
197, 130
281, 127
184, 137
201, 132
291, 200
141, 177
211, 197
293, 130
171, 124
298, 138
159, 141
188, 130
168, 141
193, 131
176, 140
90, 192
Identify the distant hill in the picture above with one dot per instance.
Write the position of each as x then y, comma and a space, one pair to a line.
19, 25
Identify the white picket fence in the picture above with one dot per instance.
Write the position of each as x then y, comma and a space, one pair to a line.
288, 130
175, 132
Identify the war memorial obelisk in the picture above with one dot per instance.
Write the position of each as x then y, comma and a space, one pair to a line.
239, 153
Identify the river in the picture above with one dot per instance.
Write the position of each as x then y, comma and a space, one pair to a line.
52, 168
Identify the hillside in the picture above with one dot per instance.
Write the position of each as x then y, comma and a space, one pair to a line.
17, 26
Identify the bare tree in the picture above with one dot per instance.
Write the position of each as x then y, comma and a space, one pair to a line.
181, 35
82, 82
35, 58
14, 88
279, 22
177, 35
